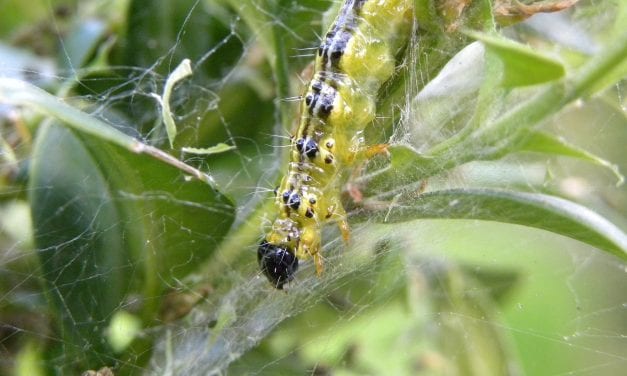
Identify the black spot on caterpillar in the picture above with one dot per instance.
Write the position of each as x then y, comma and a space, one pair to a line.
356, 56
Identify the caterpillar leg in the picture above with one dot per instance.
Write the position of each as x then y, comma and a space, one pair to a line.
377, 149
319, 264
345, 230
354, 192
309, 246
336, 211
364, 155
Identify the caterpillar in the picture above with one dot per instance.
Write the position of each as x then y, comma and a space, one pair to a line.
355, 57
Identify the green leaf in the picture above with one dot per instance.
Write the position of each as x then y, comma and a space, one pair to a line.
182, 71
449, 100
466, 93
109, 225
217, 149
468, 319
81, 43
17, 92
504, 133
527, 209
22, 64
79, 232
499, 283
21, 93
523, 65
543, 142
408, 167
155, 27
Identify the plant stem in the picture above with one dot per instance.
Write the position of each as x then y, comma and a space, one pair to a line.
599, 69
20, 93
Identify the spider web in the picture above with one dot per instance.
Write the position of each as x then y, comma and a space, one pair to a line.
421, 296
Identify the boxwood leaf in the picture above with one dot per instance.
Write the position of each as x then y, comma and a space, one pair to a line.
523, 66
527, 209
543, 142
113, 227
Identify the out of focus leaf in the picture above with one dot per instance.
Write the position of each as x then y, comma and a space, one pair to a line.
109, 223
29, 361
182, 71
499, 283
122, 330
82, 240
21, 64
468, 329
82, 42
543, 142
195, 29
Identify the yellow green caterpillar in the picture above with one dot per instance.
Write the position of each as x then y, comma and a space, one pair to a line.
356, 56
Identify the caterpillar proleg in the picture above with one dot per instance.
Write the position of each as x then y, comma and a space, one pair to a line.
356, 56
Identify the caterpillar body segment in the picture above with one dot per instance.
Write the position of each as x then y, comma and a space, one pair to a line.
356, 56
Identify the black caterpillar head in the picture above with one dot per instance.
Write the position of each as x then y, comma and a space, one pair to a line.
277, 263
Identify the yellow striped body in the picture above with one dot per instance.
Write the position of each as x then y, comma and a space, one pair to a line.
356, 56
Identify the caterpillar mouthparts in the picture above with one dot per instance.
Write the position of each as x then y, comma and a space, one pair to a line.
278, 263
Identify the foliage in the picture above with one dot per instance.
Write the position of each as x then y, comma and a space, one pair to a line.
130, 245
